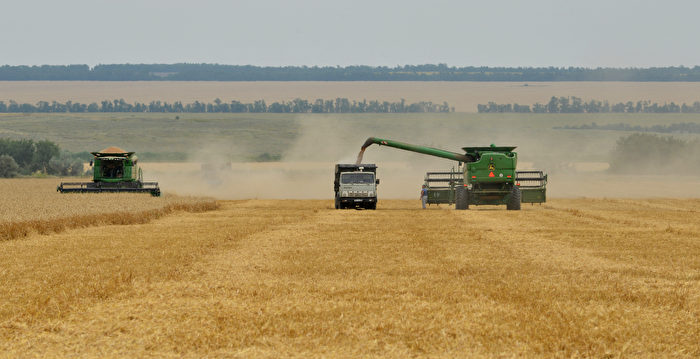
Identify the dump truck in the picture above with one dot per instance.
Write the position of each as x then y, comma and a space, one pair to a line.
484, 176
355, 186
113, 170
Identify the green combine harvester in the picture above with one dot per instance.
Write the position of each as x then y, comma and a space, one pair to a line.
114, 170
485, 176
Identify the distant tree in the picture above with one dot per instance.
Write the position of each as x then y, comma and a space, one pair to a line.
22, 151
259, 106
564, 105
318, 107
44, 151
553, 105
620, 107
8, 167
576, 105
539, 108
521, 108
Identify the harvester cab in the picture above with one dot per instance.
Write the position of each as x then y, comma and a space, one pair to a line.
113, 170
485, 176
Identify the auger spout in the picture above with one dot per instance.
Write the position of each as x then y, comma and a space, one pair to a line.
414, 148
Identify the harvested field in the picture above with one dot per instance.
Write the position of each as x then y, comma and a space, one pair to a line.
295, 278
32, 205
464, 96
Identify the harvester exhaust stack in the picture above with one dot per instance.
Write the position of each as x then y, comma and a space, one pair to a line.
114, 170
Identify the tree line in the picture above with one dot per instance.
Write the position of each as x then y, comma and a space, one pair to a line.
339, 105
577, 105
425, 72
25, 156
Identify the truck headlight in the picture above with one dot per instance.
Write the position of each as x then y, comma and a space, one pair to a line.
345, 193
370, 193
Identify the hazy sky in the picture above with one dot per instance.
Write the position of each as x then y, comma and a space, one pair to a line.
591, 33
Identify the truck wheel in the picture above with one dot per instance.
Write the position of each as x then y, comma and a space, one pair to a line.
337, 202
515, 198
372, 205
461, 198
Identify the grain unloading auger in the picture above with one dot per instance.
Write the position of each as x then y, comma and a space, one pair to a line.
114, 170
487, 176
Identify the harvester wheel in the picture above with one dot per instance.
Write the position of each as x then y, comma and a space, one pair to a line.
466, 198
515, 199
461, 198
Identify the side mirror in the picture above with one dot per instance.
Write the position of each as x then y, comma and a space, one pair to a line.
90, 163
376, 181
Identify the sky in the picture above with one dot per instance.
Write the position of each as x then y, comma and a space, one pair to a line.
532, 33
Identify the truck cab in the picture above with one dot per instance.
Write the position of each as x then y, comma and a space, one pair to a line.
355, 186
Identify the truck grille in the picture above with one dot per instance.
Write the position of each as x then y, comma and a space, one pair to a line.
358, 193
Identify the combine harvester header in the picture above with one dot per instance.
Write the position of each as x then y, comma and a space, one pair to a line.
114, 170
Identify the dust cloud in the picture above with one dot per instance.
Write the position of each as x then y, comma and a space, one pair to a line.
575, 161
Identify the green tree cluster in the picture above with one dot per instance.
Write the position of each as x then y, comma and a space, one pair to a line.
26, 156
8, 167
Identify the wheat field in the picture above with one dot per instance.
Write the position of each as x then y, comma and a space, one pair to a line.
296, 278
33, 206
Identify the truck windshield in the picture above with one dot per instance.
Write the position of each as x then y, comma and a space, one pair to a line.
353, 178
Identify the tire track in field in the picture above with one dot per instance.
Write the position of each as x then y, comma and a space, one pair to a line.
581, 259
633, 216
292, 288
103, 325
584, 237
534, 234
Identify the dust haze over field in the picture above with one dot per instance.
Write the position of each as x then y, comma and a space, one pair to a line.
576, 163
